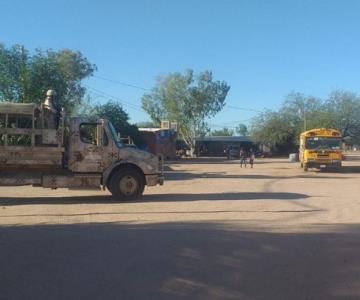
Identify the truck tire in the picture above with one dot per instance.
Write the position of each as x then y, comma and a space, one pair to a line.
127, 184
305, 165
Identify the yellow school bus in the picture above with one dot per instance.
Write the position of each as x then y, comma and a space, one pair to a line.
320, 148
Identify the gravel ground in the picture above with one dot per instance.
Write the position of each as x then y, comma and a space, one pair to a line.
213, 231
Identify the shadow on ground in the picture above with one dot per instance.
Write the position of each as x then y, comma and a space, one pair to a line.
344, 169
177, 261
9, 201
180, 175
222, 160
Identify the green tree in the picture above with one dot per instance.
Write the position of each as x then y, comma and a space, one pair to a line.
223, 132
114, 112
242, 130
281, 129
303, 112
342, 109
26, 78
188, 100
268, 128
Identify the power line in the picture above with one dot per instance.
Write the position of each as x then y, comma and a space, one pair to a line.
146, 89
104, 94
111, 97
236, 122
243, 108
221, 126
122, 83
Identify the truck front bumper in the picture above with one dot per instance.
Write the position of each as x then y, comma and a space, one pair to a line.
324, 164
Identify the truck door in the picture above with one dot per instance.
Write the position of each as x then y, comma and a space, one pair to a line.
86, 146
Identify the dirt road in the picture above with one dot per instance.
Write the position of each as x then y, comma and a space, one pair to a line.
214, 231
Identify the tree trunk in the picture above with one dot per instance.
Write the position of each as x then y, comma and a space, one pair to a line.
192, 152
189, 141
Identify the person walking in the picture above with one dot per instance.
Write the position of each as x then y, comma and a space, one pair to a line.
251, 157
243, 158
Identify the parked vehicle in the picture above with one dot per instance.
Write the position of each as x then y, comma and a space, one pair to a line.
42, 147
320, 148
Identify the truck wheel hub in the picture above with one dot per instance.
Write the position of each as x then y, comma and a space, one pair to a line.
128, 185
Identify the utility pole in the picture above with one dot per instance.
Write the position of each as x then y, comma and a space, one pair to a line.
302, 114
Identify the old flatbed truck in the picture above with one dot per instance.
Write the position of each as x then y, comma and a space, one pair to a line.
78, 153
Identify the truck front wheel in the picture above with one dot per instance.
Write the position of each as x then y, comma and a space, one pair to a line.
127, 184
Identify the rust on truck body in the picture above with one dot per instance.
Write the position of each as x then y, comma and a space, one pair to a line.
77, 153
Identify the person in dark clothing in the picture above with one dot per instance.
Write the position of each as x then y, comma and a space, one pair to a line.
243, 157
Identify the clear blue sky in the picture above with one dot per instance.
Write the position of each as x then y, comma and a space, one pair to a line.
263, 49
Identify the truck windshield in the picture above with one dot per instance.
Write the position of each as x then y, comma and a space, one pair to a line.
115, 136
315, 143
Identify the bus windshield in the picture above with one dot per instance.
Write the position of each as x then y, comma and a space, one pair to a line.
315, 143
115, 136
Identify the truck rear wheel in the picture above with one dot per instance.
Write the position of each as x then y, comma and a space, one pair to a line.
127, 184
